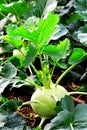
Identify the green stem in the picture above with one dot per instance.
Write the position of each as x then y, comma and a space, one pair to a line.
29, 68
34, 68
82, 93
71, 126
42, 67
36, 85
53, 70
26, 103
42, 121
3, 104
3, 15
64, 74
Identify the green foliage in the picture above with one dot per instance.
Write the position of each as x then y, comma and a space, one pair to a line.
81, 8
54, 32
43, 7
67, 103
77, 56
9, 70
31, 55
17, 8
42, 33
11, 105
69, 118
60, 51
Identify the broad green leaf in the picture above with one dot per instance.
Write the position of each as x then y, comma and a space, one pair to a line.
76, 120
83, 15
42, 33
60, 122
67, 103
80, 117
62, 64
80, 114
10, 28
44, 6
77, 56
81, 8
80, 35
31, 55
45, 29
1, 1
9, 70
16, 42
80, 5
58, 51
17, 8
11, 105
14, 121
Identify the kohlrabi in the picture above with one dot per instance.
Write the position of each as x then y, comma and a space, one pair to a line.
44, 99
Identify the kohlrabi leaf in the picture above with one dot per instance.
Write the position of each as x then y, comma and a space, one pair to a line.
81, 8
60, 122
14, 121
67, 103
59, 32
16, 42
17, 8
83, 38
31, 55
42, 7
2, 119
62, 64
11, 105
6, 48
79, 116
65, 120
9, 70
80, 5
1, 1
58, 51
41, 35
3, 83
77, 56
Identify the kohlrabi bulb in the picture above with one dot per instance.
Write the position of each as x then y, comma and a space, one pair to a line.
44, 101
